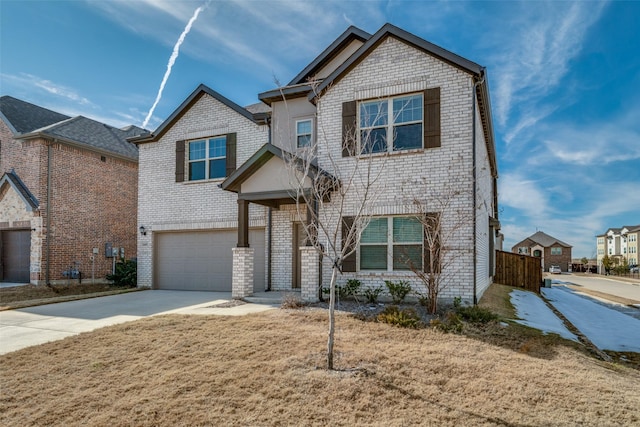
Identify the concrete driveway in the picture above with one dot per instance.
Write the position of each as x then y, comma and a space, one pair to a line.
37, 325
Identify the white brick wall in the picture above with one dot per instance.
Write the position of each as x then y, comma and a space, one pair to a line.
395, 68
164, 204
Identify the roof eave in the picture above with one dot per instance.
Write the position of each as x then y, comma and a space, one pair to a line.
286, 92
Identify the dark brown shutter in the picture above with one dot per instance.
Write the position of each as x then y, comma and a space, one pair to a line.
349, 129
349, 263
231, 153
431, 220
432, 118
179, 161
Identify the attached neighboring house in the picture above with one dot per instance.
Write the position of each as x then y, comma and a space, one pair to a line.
619, 243
68, 192
550, 250
217, 208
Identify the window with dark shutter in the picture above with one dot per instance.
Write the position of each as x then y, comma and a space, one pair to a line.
349, 140
179, 161
349, 263
231, 153
432, 118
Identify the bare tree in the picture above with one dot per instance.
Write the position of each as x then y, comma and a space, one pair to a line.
443, 213
344, 185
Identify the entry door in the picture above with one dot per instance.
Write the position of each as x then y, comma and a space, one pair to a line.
15, 251
299, 238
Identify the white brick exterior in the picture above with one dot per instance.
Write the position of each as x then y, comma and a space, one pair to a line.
167, 205
392, 68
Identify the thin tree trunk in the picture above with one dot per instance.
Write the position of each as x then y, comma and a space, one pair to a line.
332, 300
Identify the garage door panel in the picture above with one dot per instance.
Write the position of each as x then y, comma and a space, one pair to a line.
15, 253
203, 260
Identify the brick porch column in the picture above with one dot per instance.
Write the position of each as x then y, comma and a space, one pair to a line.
310, 274
242, 282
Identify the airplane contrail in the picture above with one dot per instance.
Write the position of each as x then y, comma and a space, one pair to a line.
172, 60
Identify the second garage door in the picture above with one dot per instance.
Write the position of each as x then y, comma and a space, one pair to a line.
203, 260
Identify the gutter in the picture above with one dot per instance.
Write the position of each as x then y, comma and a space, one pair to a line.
269, 224
475, 191
48, 247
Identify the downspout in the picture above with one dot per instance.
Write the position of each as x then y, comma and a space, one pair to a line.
269, 225
475, 191
48, 247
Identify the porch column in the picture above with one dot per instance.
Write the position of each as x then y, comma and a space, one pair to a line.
242, 281
310, 274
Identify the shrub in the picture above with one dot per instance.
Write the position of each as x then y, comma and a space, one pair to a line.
450, 323
406, 318
291, 301
398, 290
126, 274
371, 294
475, 314
349, 289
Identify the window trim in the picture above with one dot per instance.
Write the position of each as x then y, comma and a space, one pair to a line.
311, 133
390, 124
391, 245
556, 250
206, 159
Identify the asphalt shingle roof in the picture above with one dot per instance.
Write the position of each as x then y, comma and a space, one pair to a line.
26, 117
21, 188
543, 239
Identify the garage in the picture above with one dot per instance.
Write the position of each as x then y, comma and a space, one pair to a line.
203, 260
15, 252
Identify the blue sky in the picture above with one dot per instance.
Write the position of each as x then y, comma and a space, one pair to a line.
564, 80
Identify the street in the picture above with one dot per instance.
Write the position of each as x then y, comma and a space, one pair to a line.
604, 284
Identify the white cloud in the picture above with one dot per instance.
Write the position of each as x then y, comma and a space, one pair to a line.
536, 55
58, 90
522, 193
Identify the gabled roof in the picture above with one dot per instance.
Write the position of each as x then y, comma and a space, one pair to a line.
22, 117
544, 240
184, 107
84, 132
12, 179
352, 33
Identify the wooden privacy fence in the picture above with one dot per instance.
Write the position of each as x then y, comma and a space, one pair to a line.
521, 271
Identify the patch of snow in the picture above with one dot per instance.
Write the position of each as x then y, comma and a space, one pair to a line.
535, 313
606, 328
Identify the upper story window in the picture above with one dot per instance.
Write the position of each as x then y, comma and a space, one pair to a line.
632, 237
523, 250
601, 240
556, 251
207, 158
391, 124
304, 133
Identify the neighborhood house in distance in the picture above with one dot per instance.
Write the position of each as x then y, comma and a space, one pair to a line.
67, 195
215, 211
550, 250
619, 244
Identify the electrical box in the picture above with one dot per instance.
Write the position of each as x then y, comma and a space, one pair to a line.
108, 250
122, 253
114, 252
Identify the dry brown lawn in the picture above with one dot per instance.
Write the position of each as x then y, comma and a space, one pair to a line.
267, 369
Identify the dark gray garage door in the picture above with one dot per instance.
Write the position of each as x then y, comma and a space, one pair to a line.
203, 260
15, 249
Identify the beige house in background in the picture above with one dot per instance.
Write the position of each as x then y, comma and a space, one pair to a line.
619, 243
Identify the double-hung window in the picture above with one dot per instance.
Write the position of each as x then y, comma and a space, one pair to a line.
392, 244
391, 124
207, 158
304, 133
556, 251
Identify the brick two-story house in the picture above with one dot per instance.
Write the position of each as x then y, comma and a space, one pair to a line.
550, 250
218, 213
67, 189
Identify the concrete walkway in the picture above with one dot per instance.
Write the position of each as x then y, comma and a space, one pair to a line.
37, 325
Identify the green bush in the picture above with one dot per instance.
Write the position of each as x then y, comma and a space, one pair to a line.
398, 290
126, 274
349, 289
372, 294
406, 318
450, 323
475, 314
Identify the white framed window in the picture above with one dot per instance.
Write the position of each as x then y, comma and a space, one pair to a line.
600, 251
600, 240
632, 249
304, 133
556, 251
207, 158
392, 244
391, 124
523, 250
632, 237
